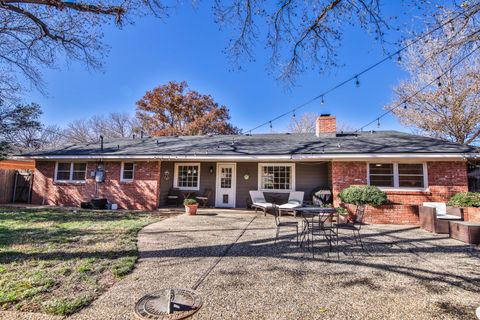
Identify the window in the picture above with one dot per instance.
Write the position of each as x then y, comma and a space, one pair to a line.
397, 175
473, 172
71, 171
410, 175
187, 176
127, 171
276, 177
381, 174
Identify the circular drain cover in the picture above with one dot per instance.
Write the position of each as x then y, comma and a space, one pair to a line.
182, 303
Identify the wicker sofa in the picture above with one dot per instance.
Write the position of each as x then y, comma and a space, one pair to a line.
435, 216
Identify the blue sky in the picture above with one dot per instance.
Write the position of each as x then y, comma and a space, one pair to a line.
188, 46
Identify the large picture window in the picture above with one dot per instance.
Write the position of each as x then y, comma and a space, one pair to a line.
187, 176
71, 171
276, 177
397, 175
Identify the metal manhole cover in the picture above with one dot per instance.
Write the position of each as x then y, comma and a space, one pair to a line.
167, 304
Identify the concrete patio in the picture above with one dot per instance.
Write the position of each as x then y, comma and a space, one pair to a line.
230, 258
406, 274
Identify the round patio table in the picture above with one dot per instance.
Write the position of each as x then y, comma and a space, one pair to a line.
309, 214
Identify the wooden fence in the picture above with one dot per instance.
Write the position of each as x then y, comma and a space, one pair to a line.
7, 180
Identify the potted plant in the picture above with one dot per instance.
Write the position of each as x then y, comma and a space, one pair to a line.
470, 202
191, 206
363, 195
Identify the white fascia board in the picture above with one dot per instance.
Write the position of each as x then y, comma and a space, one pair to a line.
298, 157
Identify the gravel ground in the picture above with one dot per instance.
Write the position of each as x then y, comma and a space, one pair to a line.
406, 273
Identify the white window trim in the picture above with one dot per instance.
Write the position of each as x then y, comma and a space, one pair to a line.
175, 175
266, 164
122, 169
70, 179
396, 177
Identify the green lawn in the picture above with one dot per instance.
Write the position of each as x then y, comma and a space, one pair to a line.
57, 262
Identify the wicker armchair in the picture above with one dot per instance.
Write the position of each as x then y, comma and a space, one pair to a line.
434, 219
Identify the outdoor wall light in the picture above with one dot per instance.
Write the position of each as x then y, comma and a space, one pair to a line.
210, 170
246, 176
166, 175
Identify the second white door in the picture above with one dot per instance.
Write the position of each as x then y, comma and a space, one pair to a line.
225, 195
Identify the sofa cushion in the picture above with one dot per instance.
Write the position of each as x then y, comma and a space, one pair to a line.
440, 207
448, 217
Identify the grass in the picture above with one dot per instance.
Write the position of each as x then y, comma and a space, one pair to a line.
57, 262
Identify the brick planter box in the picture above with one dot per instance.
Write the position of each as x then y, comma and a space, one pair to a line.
471, 214
389, 214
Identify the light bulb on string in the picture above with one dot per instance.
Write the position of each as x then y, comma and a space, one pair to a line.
378, 122
405, 105
399, 58
439, 83
357, 82
271, 125
323, 100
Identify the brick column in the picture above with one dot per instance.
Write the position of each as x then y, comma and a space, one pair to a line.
345, 174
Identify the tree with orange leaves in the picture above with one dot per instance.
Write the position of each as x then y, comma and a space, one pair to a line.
174, 109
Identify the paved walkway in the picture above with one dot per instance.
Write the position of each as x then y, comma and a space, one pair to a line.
406, 274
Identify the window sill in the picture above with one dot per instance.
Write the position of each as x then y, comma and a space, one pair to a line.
405, 190
275, 191
186, 189
126, 181
67, 182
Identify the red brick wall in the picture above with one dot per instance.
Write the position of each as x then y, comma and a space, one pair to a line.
444, 179
471, 214
345, 174
141, 194
389, 214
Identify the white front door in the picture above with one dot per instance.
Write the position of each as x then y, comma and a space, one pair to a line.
225, 195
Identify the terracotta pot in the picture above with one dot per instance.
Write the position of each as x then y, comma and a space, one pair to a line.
191, 209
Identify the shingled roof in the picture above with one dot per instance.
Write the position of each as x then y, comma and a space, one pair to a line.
374, 142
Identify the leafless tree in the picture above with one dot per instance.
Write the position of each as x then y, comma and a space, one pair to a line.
300, 35
33, 139
449, 109
114, 125
34, 32
306, 123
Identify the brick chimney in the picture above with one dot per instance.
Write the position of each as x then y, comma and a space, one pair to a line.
326, 123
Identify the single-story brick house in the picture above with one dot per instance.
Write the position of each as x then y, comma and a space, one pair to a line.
139, 172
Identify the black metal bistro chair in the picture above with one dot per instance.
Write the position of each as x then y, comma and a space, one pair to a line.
205, 197
283, 224
355, 226
173, 197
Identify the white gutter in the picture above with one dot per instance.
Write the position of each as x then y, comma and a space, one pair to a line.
359, 156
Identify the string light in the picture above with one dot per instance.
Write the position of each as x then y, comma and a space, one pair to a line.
439, 83
389, 57
271, 126
417, 92
357, 82
405, 106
